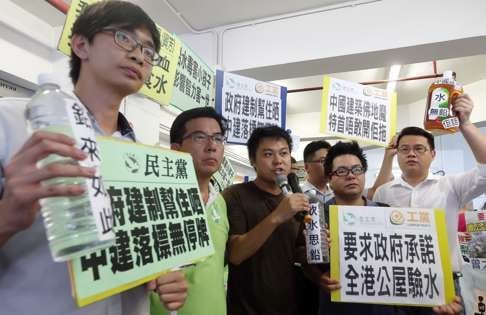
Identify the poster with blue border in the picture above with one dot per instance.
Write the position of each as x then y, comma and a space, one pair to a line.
248, 104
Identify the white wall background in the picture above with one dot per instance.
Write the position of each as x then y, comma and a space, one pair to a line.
28, 47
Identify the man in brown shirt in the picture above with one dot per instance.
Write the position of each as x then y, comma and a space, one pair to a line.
262, 277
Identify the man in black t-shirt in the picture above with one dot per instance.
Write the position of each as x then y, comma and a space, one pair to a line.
262, 277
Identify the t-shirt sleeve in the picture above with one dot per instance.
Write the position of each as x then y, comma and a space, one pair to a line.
300, 246
236, 215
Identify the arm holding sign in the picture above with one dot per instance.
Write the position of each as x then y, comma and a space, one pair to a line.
171, 288
313, 272
453, 308
324, 280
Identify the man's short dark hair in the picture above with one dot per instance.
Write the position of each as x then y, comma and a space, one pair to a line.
416, 131
293, 160
266, 132
178, 129
98, 16
313, 147
342, 148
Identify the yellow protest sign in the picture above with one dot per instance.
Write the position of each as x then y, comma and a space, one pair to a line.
358, 112
75, 9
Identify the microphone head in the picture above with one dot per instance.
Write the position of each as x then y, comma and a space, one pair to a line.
293, 181
281, 180
292, 177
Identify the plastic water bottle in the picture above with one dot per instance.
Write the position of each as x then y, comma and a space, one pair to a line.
75, 225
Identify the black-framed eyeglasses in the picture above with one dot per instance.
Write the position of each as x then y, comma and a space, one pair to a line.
202, 137
127, 42
344, 171
419, 149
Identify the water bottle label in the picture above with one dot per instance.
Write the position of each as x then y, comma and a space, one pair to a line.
439, 104
452, 122
316, 241
84, 135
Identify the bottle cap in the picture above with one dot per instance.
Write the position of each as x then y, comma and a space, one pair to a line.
45, 78
448, 74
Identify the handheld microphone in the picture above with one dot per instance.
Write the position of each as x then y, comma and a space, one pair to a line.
293, 181
283, 183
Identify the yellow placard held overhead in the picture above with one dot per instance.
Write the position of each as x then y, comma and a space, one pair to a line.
358, 112
159, 86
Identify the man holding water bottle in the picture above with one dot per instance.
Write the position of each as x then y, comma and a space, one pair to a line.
103, 70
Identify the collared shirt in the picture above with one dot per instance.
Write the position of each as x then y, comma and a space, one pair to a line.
123, 129
308, 187
207, 294
30, 281
447, 192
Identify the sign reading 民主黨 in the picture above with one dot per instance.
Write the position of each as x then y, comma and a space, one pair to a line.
159, 220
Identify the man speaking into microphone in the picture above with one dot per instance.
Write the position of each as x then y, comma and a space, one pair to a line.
263, 232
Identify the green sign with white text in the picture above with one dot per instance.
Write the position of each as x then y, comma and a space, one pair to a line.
158, 216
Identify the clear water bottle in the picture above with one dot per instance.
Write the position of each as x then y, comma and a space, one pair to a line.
80, 224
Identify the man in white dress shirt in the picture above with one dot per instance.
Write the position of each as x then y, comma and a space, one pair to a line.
314, 155
418, 188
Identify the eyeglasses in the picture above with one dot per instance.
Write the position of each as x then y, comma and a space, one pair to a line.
202, 137
344, 171
419, 149
127, 42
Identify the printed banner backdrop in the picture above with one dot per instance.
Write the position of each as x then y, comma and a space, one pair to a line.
390, 255
158, 218
159, 86
194, 81
224, 176
248, 104
358, 112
